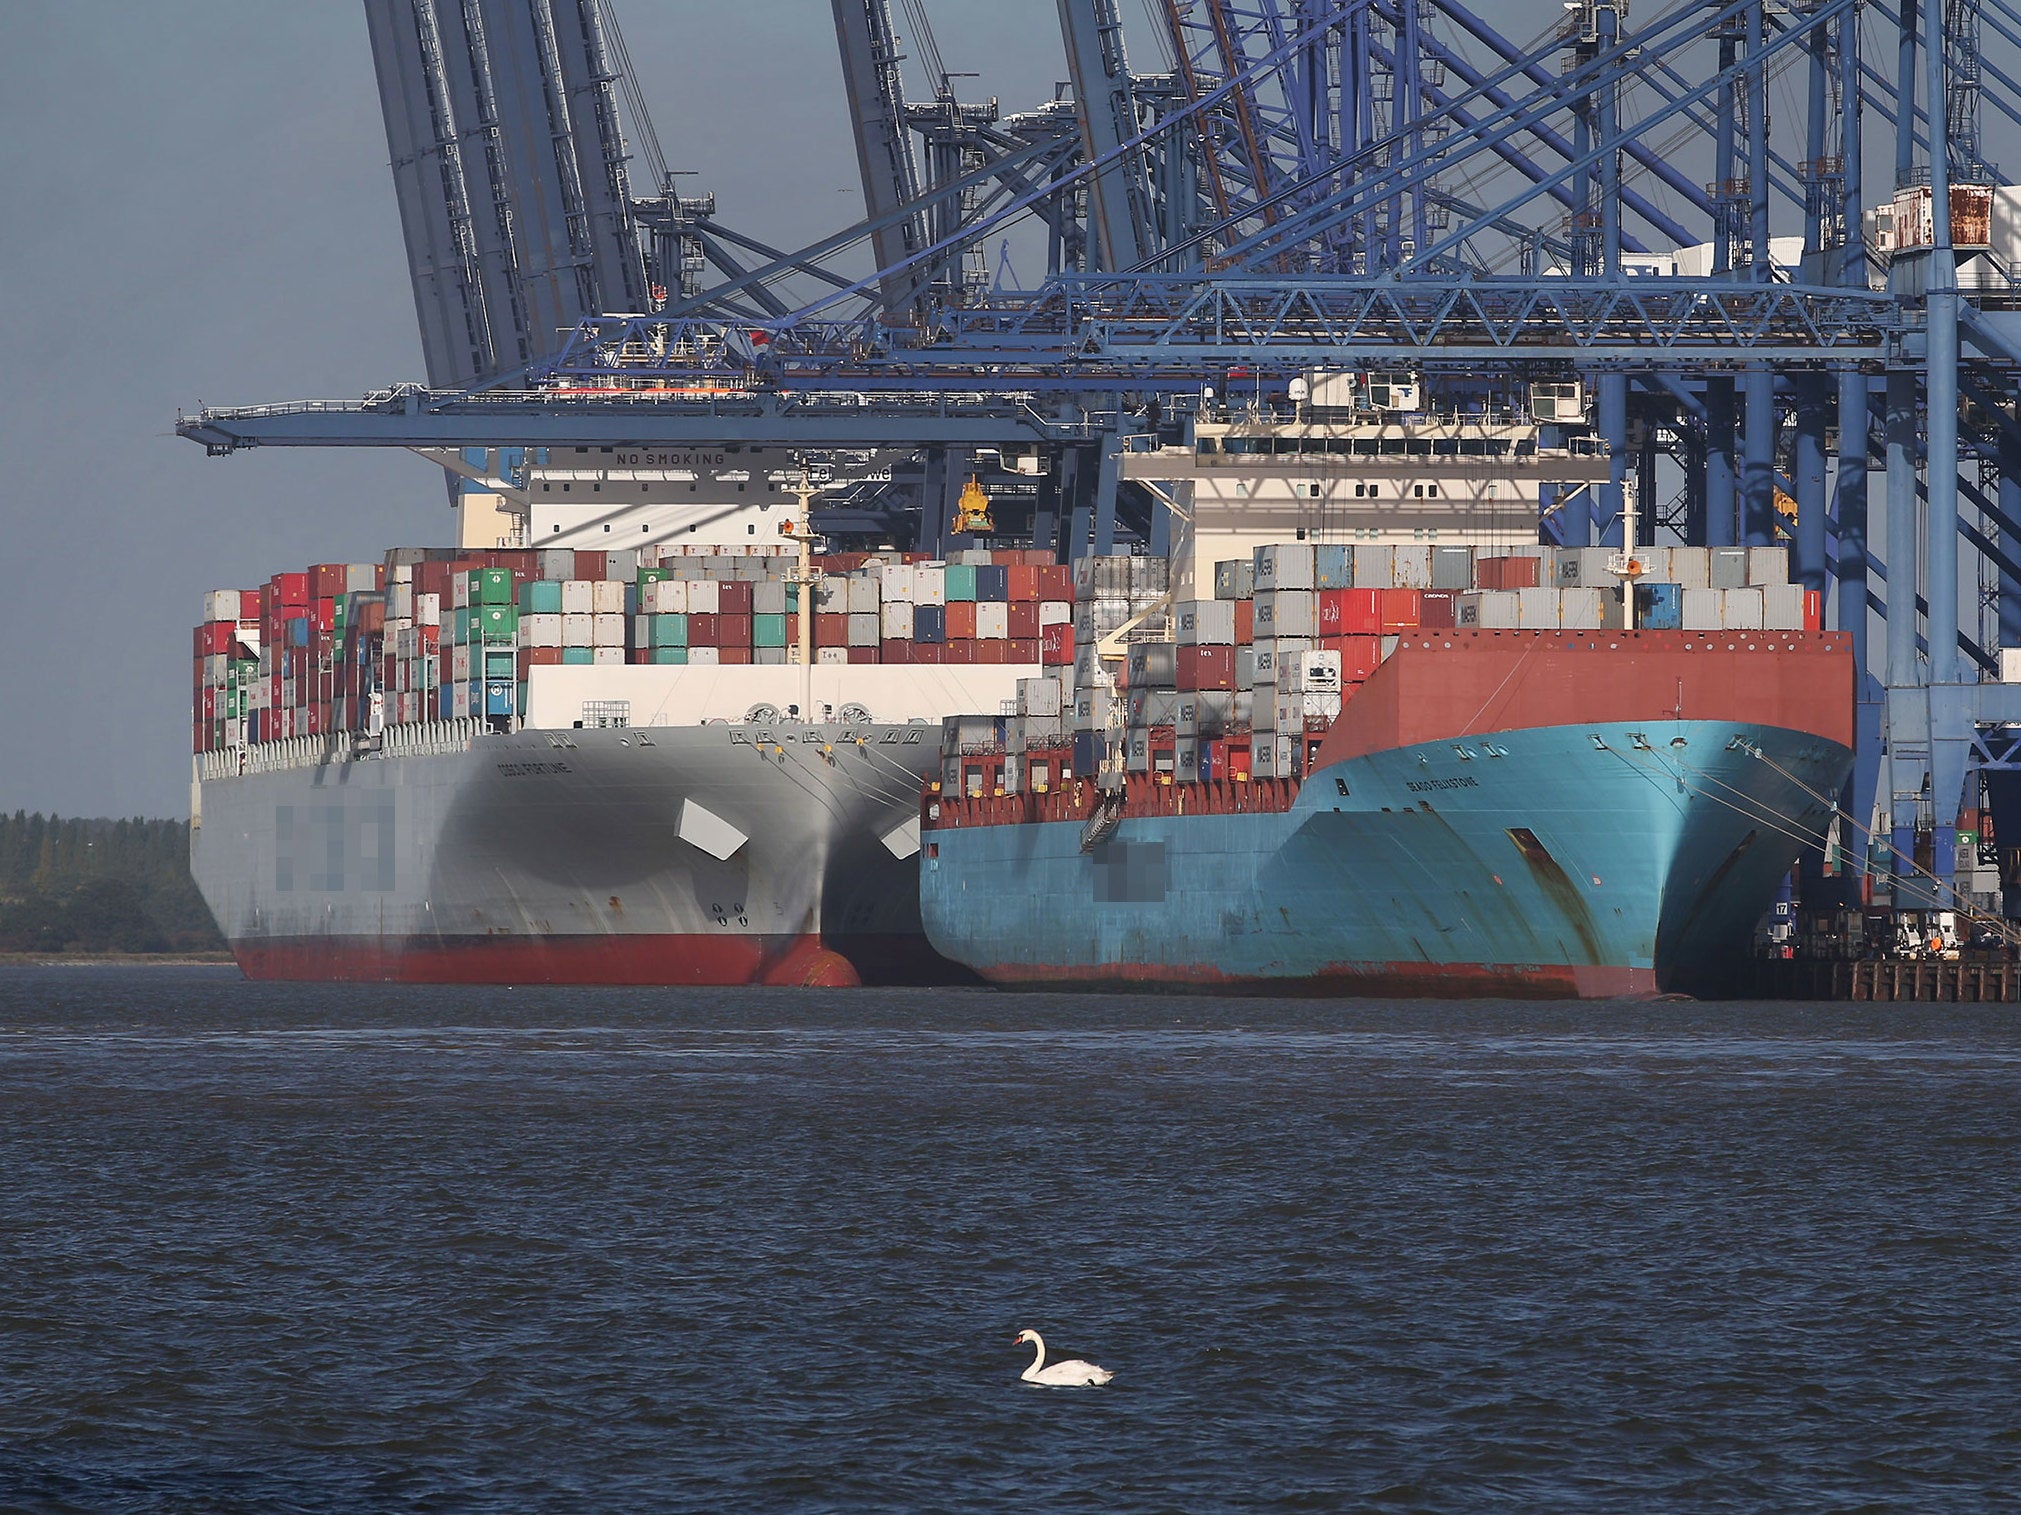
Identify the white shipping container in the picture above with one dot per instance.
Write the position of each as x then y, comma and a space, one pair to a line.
428, 609
1209, 623
1538, 609
1782, 607
667, 597
865, 630
705, 657
1580, 609
607, 629
2010, 665
1655, 563
862, 595
540, 631
929, 584
400, 601
703, 598
1691, 567
897, 621
1286, 613
1703, 609
1492, 609
1283, 565
604, 657
898, 582
1317, 706
578, 597
1310, 673
1374, 567
1744, 609
1410, 567
459, 591
831, 597
1039, 697
459, 665
830, 655
1768, 565
607, 596
1056, 613
578, 630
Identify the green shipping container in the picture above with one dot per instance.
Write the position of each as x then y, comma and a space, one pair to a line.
653, 575
501, 664
675, 655
540, 597
499, 623
460, 628
768, 631
339, 613
961, 581
577, 655
668, 631
491, 586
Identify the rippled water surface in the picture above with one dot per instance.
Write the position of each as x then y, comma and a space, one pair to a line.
312, 1248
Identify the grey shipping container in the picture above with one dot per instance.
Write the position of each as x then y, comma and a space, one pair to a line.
1235, 579
1729, 567
1452, 568
1153, 665
1768, 565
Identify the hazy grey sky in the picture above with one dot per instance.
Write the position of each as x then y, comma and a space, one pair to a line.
197, 209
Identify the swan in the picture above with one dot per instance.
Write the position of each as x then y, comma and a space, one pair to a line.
1069, 1373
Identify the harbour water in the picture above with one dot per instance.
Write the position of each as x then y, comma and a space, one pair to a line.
271, 1247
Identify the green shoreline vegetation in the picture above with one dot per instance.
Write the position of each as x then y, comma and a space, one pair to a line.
111, 890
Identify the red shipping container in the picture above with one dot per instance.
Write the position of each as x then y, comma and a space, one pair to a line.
288, 589
1056, 644
960, 620
703, 631
1023, 583
929, 652
310, 722
1358, 656
588, 565
538, 657
1813, 611
328, 580
1349, 612
1509, 573
894, 652
1022, 650
1245, 622
731, 630
1437, 608
867, 654
216, 638
1400, 609
1056, 582
1021, 620
371, 617
323, 615
1206, 667
734, 654
433, 578
830, 630
733, 597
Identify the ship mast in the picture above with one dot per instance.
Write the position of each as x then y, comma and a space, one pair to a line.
801, 531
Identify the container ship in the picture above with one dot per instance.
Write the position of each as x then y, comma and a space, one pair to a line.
586, 763
1382, 745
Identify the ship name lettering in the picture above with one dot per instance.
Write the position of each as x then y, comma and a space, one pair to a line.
524, 770
1426, 786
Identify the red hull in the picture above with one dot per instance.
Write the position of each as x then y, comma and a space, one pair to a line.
669, 959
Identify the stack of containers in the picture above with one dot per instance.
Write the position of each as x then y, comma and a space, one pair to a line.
1250, 680
447, 634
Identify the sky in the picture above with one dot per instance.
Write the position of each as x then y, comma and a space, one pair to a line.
198, 210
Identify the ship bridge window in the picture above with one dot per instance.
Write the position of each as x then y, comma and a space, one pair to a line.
1526, 448
1419, 447
1209, 444
1473, 448
1446, 447
1286, 444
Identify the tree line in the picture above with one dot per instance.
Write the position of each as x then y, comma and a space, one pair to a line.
74, 885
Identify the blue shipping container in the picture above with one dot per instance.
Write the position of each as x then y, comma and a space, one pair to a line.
992, 583
1088, 749
1659, 607
929, 623
1333, 566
